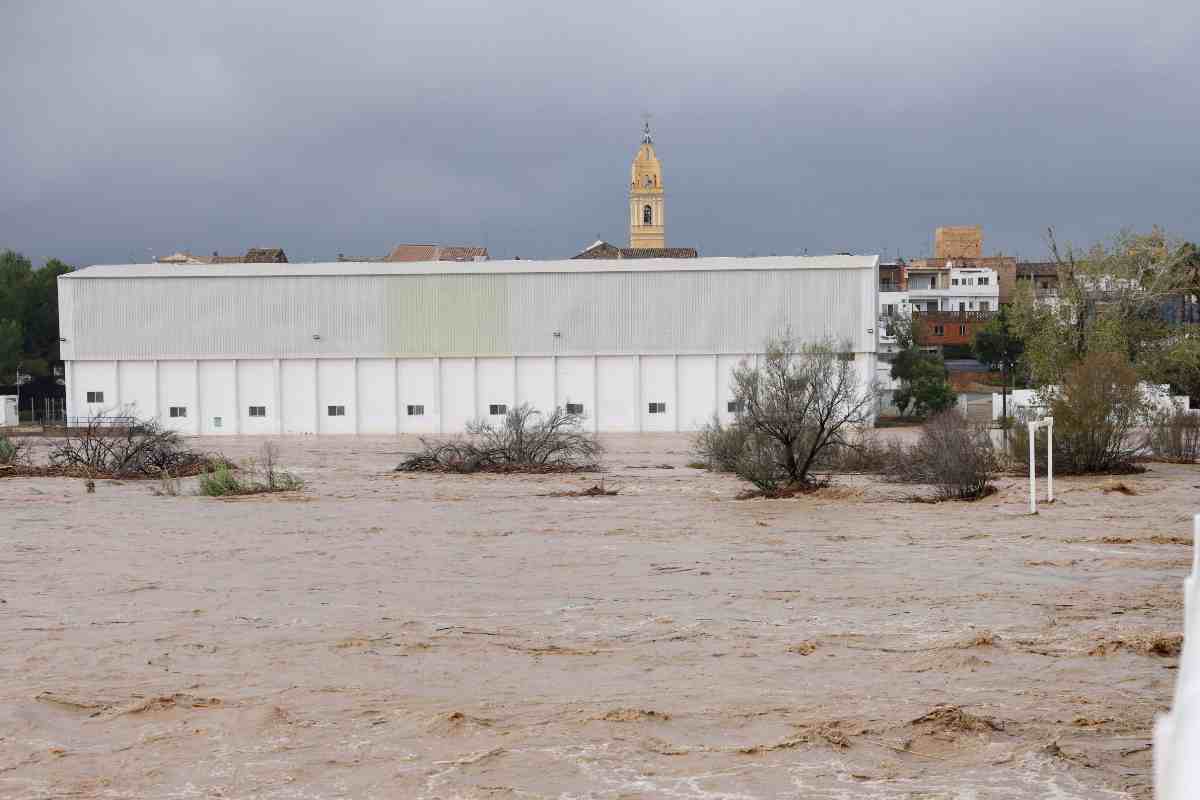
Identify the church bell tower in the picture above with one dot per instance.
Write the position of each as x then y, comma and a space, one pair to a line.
647, 221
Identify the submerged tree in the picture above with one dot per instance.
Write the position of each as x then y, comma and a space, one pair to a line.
799, 402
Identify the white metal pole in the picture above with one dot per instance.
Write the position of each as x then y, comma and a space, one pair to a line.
1032, 458
1050, 459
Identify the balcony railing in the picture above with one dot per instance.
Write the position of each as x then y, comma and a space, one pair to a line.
954, 316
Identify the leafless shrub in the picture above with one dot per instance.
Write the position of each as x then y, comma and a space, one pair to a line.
527, 441
1174, 435
133, 449
952, 454
866, 452
272, 477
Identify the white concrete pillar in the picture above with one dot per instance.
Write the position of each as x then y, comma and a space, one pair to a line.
397, 409
69, 411
675, 411
475, 388
316, 395
196, 396
354, 392
717, 385
156, 412
116, 368
437, 392
237, 400
637, 390
595, 395
515, 385
277, 382
554, 381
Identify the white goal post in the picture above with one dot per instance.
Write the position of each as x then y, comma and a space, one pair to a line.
1048, 424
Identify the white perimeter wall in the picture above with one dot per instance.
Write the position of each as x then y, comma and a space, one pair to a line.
615, 391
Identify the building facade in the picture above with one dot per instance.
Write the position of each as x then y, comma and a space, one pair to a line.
958, 241
634, 345
948, 303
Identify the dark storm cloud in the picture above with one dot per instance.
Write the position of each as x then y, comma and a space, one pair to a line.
329, 128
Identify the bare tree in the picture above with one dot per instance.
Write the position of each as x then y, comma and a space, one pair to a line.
797, 403
123, 447
527, 441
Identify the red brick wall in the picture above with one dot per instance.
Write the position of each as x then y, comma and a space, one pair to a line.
948, 327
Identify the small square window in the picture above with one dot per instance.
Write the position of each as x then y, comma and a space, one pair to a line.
497, 409
984, 281
735, 406
575, 408
258, 411
416, 411
177, 412
939, 330
218, 422
954, 282
95, 397
336, 411
658, 408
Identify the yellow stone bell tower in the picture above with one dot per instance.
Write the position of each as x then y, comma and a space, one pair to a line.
647, 220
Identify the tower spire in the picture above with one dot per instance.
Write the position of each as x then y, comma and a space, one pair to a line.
646, 206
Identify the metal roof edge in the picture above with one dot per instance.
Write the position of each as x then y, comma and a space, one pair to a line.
493, 267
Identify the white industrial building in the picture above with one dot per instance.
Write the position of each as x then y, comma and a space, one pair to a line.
636, 345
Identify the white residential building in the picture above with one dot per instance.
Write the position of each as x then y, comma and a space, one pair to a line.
927, 289
635, 345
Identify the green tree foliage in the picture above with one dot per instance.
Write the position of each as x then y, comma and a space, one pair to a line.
28, 315
1096, 409
924, 384
1111, 300
11, 338
998, 345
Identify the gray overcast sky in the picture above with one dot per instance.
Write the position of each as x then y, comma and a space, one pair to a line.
139, 128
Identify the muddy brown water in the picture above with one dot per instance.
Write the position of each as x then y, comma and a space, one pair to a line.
380, 635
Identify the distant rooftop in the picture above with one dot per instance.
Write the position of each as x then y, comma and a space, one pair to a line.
1037, 269
415, 253
255, 255
604, 250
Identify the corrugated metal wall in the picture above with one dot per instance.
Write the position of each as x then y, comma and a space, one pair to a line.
713, 311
